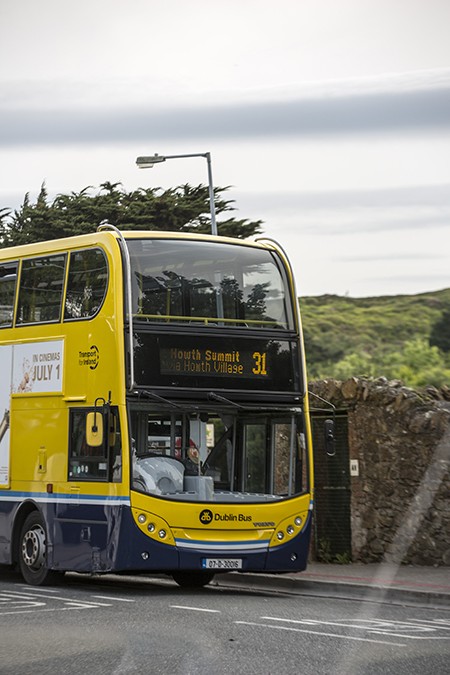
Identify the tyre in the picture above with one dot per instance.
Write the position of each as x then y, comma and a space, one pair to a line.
193, 579
33, 552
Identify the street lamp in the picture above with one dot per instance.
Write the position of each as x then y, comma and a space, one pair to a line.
149, 162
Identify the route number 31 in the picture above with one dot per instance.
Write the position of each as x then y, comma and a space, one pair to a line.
260, 363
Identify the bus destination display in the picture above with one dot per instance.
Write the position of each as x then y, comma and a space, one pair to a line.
200, 361
248, 363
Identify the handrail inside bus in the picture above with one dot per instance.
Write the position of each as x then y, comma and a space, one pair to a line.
210, 319
107, 226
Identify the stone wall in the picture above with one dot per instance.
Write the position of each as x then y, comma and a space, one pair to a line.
400, 501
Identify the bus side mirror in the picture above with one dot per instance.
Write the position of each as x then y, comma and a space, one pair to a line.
328, 429
94, 429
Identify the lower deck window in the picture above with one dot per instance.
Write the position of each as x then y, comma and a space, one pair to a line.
87, 462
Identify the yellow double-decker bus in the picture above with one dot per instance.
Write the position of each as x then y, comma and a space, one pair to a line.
153, 407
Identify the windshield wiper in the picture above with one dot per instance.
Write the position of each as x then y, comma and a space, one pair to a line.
156, 397
216, 397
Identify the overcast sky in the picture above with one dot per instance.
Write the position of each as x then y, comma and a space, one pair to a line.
330, 119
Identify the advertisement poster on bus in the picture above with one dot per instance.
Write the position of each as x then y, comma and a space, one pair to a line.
37, 367
5, 408
32, 368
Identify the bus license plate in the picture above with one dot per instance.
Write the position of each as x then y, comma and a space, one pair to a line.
222, 563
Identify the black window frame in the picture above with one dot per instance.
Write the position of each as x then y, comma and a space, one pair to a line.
4, 265
20, 289
86, 317
110, 454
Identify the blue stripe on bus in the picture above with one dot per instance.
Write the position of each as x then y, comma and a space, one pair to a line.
63, 498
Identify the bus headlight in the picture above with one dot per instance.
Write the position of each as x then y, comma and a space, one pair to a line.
162, 534
298, 521
151, 527
280, 535
142, 518
290, 529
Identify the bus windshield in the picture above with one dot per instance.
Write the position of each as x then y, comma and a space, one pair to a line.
254, 457
226, 284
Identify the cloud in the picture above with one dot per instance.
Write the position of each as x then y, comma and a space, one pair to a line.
344, 212
390, 257
411, 195
376, 112
368, 221
435, 281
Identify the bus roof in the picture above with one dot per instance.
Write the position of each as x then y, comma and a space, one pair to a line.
91, 239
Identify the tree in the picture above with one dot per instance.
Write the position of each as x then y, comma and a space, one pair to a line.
416, 364
440, 332
181, 209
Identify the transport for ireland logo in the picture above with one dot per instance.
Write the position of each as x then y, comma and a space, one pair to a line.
89, 358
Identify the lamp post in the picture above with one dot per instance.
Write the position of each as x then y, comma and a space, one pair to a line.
150, 161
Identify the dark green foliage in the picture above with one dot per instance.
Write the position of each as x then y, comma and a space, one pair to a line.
440, 332
182, 209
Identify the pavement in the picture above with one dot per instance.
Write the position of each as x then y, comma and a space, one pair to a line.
383, 582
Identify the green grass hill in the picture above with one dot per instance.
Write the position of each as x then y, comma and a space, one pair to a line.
404, 337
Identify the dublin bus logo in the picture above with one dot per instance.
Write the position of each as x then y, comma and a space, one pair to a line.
206, 517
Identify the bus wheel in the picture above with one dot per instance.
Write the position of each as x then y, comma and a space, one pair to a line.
32, 552
193, 579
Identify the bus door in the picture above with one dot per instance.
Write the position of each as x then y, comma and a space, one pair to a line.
87, 521
272, 456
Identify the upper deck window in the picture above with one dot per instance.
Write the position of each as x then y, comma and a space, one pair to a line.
8, 278
41, 289
199, 281
86, 285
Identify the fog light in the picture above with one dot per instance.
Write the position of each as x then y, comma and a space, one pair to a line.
151, 527
290, 529
141, 518
162, 534
280, 535
293, 557
144, 555
298, 521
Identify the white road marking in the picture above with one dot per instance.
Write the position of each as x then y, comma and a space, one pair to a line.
322, 634
16, 602
398, 629
6, 596
38, 588
62, 599
443, 624
105, 597
54, 609
196, 609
